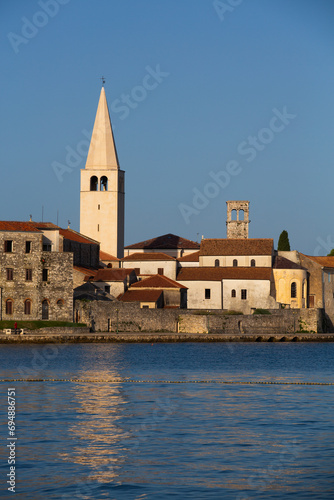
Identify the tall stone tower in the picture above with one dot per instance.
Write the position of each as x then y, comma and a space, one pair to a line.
237, 219
102, 187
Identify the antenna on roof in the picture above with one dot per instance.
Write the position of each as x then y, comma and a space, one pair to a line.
68, 222
30, 220
197, 238
42, 212
103, 80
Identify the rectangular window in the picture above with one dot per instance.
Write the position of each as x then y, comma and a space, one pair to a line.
46, 247
8, 246
161, 270
244, 294
28, 246
98, 207
98, 227
45, 275
9, 274
329, 278
28, 274
107, 288
9, 307
207, 293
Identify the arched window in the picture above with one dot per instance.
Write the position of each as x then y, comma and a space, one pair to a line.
60, 303
253, 263
45, 309
234, 215
93, 183
233, 293
293, 290
217, 263
9, 306
235, 263
104, 183
27, 306
241, 215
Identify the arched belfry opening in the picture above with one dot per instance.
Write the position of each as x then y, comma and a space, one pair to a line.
93, 183
237, 219
104, 183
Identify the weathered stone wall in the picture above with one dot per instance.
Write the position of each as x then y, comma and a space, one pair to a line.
57, 288
106, 316
85, 254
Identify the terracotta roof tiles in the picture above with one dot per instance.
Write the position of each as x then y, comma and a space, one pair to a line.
138, 256
157, 281
166, 241
220, 273
233, 246
140, 296
112, 274
192, 257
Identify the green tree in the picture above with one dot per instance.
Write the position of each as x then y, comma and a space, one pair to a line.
283, 242
331, 253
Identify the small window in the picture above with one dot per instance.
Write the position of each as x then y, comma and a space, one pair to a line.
207, 293
8, 246
243, 294
45, 275
217, 263
60, 303
233, 293
98, 207
46, 247
104, 183
161, 270
27, 306
235, 263
93, 183
241, 215
28, 246
98, 227
107, 288
293, 290
28, 274
145, 307
9, 306
329, 278
253, 263
9, 274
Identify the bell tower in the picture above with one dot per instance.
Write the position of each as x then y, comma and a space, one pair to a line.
102, 187
237, 219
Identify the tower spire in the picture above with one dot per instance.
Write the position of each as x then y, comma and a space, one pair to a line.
102, 152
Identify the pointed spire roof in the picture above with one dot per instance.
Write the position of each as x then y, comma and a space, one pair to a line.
102, 152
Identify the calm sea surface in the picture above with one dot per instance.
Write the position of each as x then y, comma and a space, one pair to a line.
185, 421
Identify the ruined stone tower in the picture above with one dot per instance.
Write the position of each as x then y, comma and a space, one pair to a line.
237, 219
102, 187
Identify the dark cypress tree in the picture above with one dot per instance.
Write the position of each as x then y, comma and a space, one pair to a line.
331, 253
283, 242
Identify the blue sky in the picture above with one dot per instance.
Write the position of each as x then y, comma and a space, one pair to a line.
224, 70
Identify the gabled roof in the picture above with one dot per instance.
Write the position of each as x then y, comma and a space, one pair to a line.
323, 261
140, 296
69, 234
31, 227
283, 263
138, 256
157, 281
112, 274
87, 271
102, 152
234, 246
44, 225
107, 256
220, 273
166, 241
191, 257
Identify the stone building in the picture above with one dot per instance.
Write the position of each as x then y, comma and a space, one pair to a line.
148, 263
36, 276
169, 244
237, 219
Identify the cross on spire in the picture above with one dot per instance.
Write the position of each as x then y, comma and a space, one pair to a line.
103, 80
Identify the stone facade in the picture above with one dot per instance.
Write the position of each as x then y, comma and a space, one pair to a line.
237, 227
35, 284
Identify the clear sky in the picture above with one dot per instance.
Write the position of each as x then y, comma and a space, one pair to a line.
210, 101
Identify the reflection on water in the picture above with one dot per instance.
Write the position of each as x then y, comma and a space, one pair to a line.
123, 440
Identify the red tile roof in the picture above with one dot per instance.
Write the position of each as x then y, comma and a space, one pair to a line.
6, 225
157, 281
233, 246
112, 274
87, 271
192, 257
220, 273
69, 234
141, 296
44, 225
283, 263
167, 241
148, 256
107, 256
323, 261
